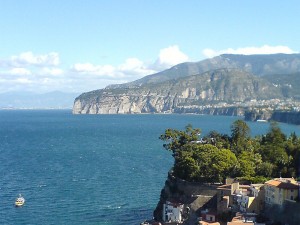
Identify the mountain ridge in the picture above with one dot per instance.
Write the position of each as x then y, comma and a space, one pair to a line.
275, 63
226, 78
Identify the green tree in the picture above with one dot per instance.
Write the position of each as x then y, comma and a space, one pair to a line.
273, 150
274, 136
178, 139
265, 169
214, 164
217, 139
186, 167
248, 160
240, 135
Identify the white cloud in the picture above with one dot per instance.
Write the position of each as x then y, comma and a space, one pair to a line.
23, 81
170, 56
134, 67
42, 72
45, 73
265, 49
19, 71
28, 58
51, 71
131, 64
89, 68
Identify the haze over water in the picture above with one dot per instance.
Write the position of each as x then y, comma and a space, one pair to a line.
90, 169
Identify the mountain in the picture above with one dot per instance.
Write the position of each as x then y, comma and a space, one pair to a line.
192, 87
223, 85
257, 64
30, 100
288, 83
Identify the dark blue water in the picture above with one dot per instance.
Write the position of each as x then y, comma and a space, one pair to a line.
89, 169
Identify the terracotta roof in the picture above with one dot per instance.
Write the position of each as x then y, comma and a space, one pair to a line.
244, 186
281, 184
208, 223
257, 185
224, 187
239, 222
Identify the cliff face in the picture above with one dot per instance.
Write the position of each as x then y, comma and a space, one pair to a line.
196, 196
183, 95
286, 117
258, 114
278, 116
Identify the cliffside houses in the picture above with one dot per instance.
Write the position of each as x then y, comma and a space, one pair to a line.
244, 201
173, 212
279, 190
240, 198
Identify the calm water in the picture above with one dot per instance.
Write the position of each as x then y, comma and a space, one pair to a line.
89, 169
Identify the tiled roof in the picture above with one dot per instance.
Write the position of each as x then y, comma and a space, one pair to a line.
239, 222
224, 187
282, 184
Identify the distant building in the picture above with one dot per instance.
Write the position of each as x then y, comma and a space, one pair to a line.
279, 190
172, 212
228, 196
208, 223
241, 219
252, 201
240, 198
209, 216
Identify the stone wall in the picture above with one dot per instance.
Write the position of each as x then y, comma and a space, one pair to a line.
196, 196
288, 214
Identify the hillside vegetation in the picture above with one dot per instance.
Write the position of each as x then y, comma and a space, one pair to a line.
217, 156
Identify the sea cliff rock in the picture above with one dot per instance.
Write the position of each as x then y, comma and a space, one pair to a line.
195, 196
193, 94
286, 117
292, 117
258, 114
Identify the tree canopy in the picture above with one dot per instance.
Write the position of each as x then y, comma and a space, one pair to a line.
217, 156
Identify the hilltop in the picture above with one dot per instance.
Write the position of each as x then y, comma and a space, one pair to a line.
223, 81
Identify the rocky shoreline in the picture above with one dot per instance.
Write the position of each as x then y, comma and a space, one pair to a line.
291, 117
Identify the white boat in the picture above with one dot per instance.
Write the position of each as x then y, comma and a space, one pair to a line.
19, 201
262, 121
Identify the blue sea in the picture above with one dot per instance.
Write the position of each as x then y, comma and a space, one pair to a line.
90, 169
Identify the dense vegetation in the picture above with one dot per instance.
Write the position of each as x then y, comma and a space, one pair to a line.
216, 156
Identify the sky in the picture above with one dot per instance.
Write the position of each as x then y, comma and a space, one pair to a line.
79, 46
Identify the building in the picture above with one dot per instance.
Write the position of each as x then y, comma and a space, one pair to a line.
252, 201
172, 212
208, 223
229, 196
240, 219
209, 216
240, 198
278, 190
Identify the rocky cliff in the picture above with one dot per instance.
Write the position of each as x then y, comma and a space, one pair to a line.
189, 94
291, 117
196, 196
258, 114
286, 117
